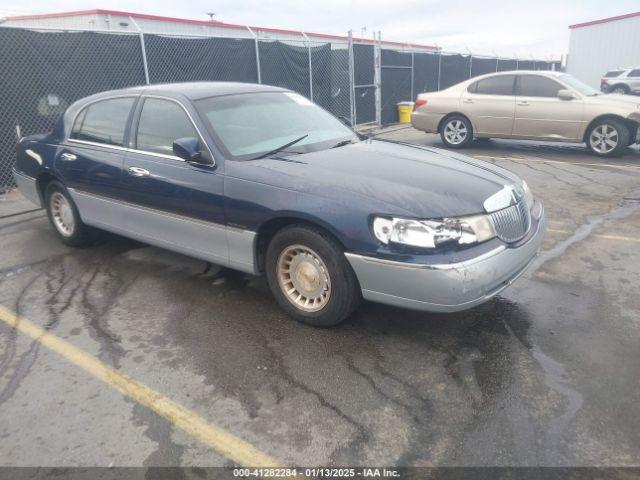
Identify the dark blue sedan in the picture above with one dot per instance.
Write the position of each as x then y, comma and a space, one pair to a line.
261, 180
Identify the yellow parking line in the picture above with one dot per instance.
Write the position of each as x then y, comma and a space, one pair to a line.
232, 447
608, 237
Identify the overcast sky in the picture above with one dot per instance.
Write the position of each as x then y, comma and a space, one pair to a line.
518, 27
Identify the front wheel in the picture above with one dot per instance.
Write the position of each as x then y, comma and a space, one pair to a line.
608, 138
456, 132
310, 277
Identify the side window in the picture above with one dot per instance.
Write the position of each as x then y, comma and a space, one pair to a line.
104, 121
634, 73
498, 85
162, 122
537, 86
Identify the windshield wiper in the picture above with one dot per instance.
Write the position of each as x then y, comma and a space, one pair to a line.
279, 149
342, 143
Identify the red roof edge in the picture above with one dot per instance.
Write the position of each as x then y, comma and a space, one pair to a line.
605, 20
209, 23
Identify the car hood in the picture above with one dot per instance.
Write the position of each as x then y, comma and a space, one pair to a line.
419, 181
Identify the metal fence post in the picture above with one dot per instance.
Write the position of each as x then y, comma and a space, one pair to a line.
145, 65
352, 80
439, 66
413, 59
310, 65
497, 61
257, 48
377, 75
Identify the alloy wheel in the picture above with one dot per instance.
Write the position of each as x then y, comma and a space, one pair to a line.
62, 214
455, 132
303, 278
604, 138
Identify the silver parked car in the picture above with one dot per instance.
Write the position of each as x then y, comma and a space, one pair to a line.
530, 105
622, 81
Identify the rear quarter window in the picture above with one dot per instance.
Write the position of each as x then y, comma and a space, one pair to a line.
613, 73
104, 121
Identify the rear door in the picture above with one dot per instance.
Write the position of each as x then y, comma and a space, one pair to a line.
541, 114
490, 104
634, 80
90, 161
171, 202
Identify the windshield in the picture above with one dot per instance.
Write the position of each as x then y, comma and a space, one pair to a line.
247, 126
577, 85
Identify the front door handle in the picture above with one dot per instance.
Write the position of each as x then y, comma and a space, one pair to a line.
68, 157
138, 172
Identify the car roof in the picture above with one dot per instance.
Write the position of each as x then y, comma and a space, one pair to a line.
192, 90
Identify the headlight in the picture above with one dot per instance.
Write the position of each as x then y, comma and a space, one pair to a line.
528, 194
432, 233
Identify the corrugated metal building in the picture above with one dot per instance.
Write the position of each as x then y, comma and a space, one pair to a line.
117, 21
601, 45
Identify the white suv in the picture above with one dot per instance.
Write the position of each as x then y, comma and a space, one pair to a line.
622, 81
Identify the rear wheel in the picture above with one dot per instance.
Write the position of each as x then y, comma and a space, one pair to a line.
608, 138
64, 217
620, 90
310, 277
456, 131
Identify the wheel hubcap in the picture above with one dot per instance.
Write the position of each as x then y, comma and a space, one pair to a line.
455, 132
604, 138
303, 278
62, 214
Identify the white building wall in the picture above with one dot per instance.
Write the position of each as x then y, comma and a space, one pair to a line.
594, 49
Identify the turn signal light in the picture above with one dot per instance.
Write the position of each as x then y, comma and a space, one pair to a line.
420, 102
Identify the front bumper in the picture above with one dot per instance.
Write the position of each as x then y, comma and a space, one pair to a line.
445, 287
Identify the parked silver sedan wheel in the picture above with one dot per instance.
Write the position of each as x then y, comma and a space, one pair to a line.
608, 138
310, 276
456, 131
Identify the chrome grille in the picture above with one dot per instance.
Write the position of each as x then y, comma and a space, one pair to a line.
512, 223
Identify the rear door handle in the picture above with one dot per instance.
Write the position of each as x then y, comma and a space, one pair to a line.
467, 100
68, 157
523, 104
138, 172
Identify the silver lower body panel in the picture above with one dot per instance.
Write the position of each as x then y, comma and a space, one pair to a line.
446, 287
28, 186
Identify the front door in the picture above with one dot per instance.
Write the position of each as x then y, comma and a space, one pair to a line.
172, 203
541, 114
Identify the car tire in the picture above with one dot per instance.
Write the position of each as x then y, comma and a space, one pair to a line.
456, 131
64, 217
608, 138
310, 277
620, 90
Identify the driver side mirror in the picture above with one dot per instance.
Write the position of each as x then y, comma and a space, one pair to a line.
188, 149
565, 94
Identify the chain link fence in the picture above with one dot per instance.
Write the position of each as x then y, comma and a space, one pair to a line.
46, 70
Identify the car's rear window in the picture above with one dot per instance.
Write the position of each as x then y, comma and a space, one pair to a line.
613, 73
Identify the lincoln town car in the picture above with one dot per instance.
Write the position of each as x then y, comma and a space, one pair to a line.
260, 179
